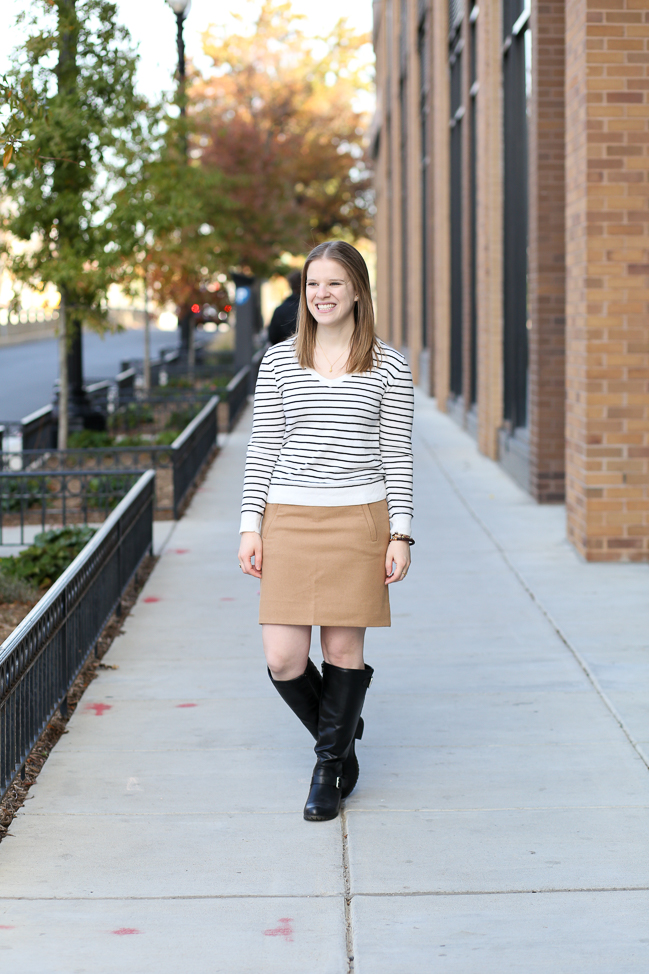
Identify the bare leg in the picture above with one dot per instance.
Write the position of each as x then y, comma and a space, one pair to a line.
343, 646
286, 649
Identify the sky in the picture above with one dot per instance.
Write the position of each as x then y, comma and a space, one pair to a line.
153, 27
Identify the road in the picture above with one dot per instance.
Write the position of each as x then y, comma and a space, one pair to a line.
28, 371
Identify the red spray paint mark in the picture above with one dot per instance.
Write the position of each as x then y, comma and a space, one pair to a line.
99, 708
228, 598
151, 598
181, 705
3, 927
124, 931
283, 930
180, 551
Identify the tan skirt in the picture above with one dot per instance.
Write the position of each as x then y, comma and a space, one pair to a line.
325, 566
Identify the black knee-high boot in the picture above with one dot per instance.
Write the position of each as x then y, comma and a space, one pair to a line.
341, 703
303, 697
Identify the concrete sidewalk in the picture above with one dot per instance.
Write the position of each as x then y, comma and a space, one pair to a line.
501, 820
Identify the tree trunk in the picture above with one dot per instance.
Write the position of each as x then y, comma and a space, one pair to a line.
147, 340
63, 377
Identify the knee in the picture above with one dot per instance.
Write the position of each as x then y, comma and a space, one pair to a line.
283, 667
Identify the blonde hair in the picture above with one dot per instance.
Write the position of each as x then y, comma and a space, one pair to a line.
364, 350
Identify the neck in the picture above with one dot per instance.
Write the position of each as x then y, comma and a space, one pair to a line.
336, 336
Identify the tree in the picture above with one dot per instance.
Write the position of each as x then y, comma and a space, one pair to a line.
277, 118
72, 110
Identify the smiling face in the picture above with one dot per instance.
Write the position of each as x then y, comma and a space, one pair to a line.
330, 294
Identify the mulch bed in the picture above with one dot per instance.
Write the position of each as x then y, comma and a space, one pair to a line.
10, 615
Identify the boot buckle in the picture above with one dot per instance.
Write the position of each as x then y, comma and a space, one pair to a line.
338, 783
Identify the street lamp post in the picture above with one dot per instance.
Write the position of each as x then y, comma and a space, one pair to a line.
181, 10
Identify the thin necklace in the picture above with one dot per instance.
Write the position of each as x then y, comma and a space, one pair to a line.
331, 366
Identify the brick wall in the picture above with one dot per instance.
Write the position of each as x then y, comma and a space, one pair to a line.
547, 252
441, 203
607, 327
490, 245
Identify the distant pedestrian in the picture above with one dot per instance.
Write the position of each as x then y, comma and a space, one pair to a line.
283, 324
327, 504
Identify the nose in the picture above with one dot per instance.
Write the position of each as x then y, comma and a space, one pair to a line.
322, 291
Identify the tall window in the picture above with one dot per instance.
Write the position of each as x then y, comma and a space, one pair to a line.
517, 76
473, 200
456, 11
403, 113
424, 134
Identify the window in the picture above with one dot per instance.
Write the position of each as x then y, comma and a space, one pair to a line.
424, 134
457, 114
473, 200
517, 77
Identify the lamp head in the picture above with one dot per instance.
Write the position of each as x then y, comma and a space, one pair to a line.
180, 7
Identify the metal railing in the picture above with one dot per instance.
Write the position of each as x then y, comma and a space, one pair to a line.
39, 429
192, 450
39, 498
41, 659
36, 485
237, 392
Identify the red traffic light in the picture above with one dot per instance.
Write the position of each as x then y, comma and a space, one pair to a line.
196, 308
227, 307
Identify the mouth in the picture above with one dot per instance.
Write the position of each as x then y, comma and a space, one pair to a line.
325, 307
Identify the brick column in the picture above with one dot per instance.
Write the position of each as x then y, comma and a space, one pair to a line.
441, 204
607, 262
547, 252
490, 222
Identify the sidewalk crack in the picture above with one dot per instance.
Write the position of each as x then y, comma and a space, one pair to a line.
349, 932
590, 676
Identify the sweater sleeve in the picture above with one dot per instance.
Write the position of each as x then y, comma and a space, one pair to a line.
395, 437
264, 447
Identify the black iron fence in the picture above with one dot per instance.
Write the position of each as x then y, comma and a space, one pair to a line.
37, 486
39, 498
192, 450
43, 656
237, 391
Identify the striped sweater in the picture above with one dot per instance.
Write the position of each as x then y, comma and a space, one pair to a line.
330, 442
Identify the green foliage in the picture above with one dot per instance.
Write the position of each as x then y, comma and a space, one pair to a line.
131, 416
166, 438
72, 109
20, 493
134, 440
44, 561
16, 590
89, 439
105, 491
180, 418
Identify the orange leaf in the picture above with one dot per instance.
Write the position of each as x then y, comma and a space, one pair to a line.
6, 159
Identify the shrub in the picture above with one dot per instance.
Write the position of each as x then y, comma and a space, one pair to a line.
166, 438
16, 589
107, 490
89, 439
180, 418
131, 416
18, 493
44, 561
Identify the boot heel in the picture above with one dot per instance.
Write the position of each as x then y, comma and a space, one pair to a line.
359, 729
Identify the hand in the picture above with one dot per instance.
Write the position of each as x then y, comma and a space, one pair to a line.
397, 561
250, 548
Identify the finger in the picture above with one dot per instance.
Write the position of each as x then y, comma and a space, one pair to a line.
258, 557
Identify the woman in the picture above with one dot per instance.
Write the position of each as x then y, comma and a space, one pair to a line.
327, 506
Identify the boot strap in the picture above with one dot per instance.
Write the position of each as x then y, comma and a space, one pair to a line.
321, 776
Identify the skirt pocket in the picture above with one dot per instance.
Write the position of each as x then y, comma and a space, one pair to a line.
371, 526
